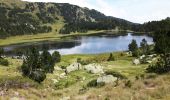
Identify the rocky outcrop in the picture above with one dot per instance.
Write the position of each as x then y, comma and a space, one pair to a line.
106, 79
94, 68
74, 67
136, 61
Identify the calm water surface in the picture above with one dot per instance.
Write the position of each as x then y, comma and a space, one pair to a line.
90, 44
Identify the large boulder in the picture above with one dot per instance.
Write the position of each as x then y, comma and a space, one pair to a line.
94, 68
142, 57
136, 61
106, 79
74, 67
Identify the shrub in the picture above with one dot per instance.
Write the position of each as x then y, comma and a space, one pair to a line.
151, 76
63, 67
111, 57
78, 60
4, 62
32, 66
56, 56
92, 83
136, 53
116, 74
47, 62
137, 77
128, 84
133, 47
142, 76
38, 76
160, 67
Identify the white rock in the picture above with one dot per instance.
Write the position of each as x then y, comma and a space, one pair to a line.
136, 61
106, 79
63, 75
16, 93
58, 68
94, 68
84, 78
65, 98
141, 57
54, 81
149, 61
14, 98
74, 67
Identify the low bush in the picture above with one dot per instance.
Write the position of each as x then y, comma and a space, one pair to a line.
4, 62
111, 57
93, 83
116, 74
128, 84
37, 76
83, 90
159, 67
151, 76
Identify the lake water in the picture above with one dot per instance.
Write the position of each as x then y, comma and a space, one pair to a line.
90, 44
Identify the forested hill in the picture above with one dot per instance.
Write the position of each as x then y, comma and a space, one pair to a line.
20, 17
153, 26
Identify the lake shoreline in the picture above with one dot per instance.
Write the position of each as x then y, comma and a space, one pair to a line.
96, 43
4, 42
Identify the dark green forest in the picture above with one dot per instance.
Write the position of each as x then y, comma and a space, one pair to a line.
33, 18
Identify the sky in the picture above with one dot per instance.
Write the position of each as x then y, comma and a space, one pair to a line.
138, 11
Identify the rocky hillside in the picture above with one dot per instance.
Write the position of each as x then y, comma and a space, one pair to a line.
19, 17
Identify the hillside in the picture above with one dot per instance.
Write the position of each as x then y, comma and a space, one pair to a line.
19, 18
153, 26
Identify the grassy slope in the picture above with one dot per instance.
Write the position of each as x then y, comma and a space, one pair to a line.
52, 36
143, 89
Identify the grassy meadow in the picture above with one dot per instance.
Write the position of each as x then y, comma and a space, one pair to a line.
74, 86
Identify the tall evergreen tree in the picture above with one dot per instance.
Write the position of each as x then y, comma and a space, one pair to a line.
56, 56
133, 47
144, 47
47, 61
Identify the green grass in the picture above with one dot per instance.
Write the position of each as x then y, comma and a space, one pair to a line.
142, 89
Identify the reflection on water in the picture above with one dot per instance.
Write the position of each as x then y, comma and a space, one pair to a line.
91, 44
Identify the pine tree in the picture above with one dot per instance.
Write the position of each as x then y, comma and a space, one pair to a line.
56, 56
133, 47
47, 62
144, 47
31, 66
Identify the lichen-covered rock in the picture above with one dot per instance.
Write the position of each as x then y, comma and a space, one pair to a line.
106, 79
74, 67
94, 68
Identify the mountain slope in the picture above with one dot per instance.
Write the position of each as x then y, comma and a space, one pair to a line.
19, 17
153, 26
